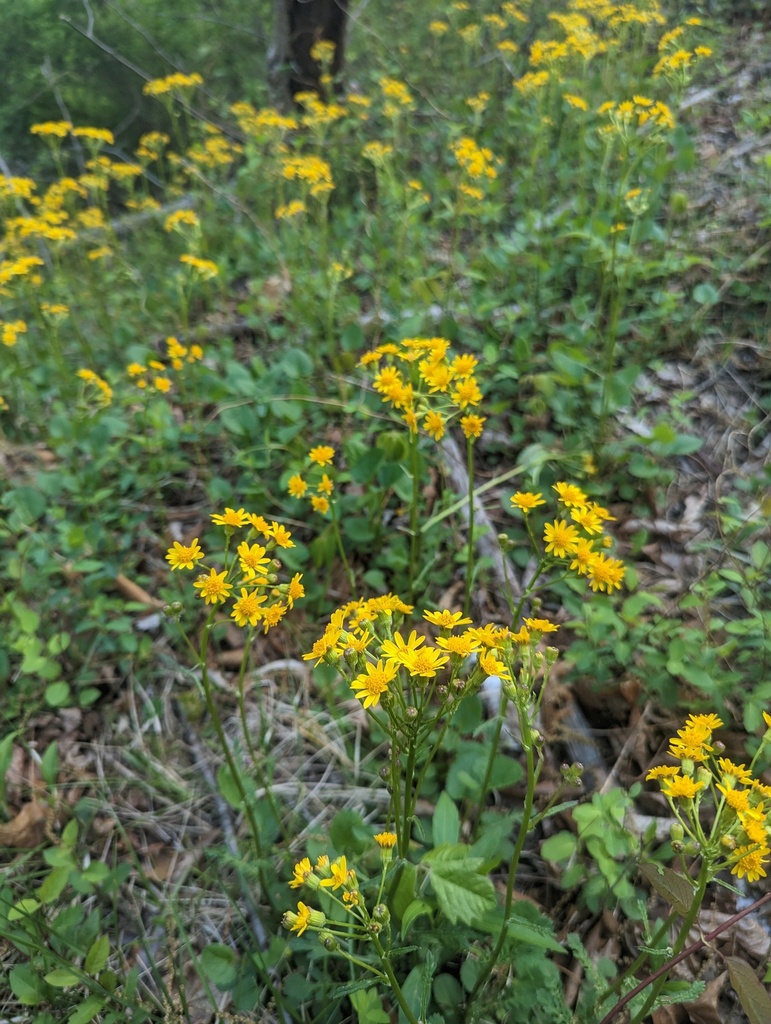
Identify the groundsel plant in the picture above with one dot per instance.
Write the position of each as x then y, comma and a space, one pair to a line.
250, 591
410, 685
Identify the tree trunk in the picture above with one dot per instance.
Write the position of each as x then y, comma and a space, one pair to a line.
297, 26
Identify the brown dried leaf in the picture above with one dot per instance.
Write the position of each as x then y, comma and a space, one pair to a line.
754, 998
27, 829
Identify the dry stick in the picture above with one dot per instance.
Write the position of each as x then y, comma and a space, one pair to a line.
683, 955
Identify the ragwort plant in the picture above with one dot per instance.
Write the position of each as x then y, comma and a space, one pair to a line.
554, 94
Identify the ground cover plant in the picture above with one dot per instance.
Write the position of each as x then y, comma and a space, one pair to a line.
363, 504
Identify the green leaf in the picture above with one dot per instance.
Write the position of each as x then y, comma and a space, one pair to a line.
416, 909
87, 1010
446, 821
755, 1000
62, 978
368, 1007
28, 987
706, 294
96, 957
559, 847
23, 909
53, 884
49, 763
532, 934
405, 890
447, 991
349, 833
462, 895
219, 964
674, 888
28, 503
228, 786
58, 695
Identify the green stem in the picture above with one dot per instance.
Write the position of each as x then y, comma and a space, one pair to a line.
524, 828
471, 508
491, 755
409, 801
341, 549
414, 532
397, 991
253, 753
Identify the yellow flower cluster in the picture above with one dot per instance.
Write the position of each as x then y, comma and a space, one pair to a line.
215, 150
52, 129
154, 374
740, 834
531, 82
477, 162
311, 170
19, 267
172, 83
382, 663
398, 97
319, 113
640, 115
676, 61
10, 331
254, 569
16, 188
377, 152
575, 541
181, 219
206, 268
95, 135
264, 123
151, 145
426, 385
334, 876
297, 486
101, 388
287, 211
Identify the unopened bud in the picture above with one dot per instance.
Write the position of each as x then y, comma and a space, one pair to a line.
411, 712
571, 773
374, 928
551, 655
676, 831
381, 913
329, 942
173, 610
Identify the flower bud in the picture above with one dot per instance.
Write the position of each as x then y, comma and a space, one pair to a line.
552, 653
329, 942
571, 773
411, 712
374, 928
173, 610
676, 831
381, 914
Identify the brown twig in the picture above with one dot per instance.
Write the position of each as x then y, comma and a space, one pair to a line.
665, 968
